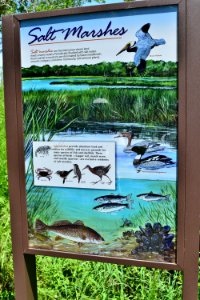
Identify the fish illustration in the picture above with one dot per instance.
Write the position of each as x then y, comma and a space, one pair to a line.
153, 197
113, 198
76, 231
110, 207
77, 172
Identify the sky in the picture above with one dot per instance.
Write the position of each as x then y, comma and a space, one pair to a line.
163, 25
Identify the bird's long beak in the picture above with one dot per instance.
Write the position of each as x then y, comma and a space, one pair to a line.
124, 48
84, 168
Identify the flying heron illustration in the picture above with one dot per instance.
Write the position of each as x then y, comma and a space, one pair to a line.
99, 171
142, 47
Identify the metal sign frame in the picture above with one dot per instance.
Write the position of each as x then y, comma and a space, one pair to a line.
188, 148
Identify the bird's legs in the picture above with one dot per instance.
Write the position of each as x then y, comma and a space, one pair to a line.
108, 178
97, 181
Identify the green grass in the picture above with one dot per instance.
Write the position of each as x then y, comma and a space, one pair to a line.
79, 280
123, 105
133, 81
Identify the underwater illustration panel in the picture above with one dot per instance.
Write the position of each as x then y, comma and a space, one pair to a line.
100, 127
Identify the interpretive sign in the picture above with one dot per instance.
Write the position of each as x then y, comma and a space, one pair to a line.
88, 88
101, 130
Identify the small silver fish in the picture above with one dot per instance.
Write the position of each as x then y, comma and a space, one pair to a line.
113, 198
112, 207
76, 232
153, 197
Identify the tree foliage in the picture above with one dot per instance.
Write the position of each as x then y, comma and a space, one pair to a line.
25, 6
106, 69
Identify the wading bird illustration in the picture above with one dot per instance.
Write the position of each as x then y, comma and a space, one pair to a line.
142, 47
150, 145
99, 171
152, 162
64, 174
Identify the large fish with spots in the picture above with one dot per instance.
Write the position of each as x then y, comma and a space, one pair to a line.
76, 231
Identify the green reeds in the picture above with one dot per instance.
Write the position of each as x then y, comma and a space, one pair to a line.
151, 106
42, 114
131, 81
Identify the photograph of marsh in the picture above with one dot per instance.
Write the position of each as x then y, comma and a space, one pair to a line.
131, 100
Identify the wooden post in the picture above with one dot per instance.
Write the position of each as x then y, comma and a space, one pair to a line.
190, 286
24, 264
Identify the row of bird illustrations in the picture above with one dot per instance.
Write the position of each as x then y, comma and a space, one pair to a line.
98, 171
150, 162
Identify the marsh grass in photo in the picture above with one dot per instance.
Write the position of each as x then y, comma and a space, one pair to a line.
122, 105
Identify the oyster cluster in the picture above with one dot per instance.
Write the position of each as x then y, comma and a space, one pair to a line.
154, 238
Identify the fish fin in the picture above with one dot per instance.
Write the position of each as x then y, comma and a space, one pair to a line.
80, 244
151, 193
39, 225
61, 223
79, 222
58, 238
75, 176
64, 180
129, 204
128, 197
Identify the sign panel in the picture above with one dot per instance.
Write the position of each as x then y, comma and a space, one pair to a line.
98, 158
100, 126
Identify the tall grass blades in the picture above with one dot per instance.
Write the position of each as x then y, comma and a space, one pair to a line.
42, 114
120, 105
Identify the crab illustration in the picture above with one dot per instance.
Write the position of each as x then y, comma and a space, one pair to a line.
44, 172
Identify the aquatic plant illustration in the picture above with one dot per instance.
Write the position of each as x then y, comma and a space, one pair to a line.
99, 171
42, 150
64, 174
44, 172
142, 47
154, 238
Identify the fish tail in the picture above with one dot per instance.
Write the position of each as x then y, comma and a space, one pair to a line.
128, 197
130, 201
40, 226
168, 197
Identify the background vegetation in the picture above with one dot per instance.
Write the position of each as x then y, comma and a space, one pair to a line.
154, 68
121, 105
